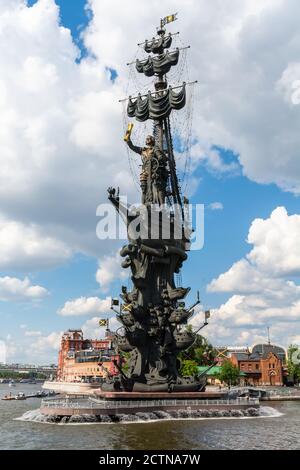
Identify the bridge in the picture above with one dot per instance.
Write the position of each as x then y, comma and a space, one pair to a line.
29, 369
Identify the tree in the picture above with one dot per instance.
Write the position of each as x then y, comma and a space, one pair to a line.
294, 362
229, 373
125, 357
202, 352
188, 367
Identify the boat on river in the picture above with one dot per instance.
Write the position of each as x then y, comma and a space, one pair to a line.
18, 396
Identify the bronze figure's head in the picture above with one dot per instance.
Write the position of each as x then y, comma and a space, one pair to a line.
150, 141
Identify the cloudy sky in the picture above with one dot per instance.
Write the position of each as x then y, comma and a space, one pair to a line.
63, 69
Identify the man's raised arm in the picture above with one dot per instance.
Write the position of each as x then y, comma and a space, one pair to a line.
134, 148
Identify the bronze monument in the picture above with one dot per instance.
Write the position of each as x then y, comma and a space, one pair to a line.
153, 315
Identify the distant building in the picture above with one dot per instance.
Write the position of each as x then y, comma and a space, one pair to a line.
224, 352
264, 365
85, 360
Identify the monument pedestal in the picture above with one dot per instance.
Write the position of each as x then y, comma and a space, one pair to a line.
159, 395
134, 406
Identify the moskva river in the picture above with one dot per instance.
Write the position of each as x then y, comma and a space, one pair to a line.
278, 428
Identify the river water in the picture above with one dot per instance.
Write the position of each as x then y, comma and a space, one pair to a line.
278, 429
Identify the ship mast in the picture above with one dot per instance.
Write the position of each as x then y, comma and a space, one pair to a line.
158, 105
163, 127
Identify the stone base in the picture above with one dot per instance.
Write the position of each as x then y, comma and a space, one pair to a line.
116, 404
80, 388
159, 395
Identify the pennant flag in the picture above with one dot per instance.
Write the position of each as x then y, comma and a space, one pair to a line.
127, 307
169, 19
207, 314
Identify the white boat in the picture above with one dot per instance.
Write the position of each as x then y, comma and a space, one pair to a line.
20, 396
12, 383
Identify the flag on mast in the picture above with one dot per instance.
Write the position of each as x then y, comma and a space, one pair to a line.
169, 19
207, 314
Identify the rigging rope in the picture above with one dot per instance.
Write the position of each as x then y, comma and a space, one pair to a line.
181, 121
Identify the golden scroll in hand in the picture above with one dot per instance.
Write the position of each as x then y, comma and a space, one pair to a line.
128, 132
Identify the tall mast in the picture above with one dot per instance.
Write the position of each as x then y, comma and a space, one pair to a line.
163, 127
159, 104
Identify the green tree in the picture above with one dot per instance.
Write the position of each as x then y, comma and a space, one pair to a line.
9, 374
202, 352
229, 373
125, 357
188, 367
293, 365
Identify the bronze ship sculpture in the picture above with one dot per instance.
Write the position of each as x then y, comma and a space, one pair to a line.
153, 315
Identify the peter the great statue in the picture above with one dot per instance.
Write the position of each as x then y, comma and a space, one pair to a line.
152, 314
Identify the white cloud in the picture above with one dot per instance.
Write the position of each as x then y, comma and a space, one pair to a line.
109, 270
24, 246
14, 289
276, 243
47, 344
211, 158
263, 291
32, 333
85, 306
35, 348
3, 351
216, 206
56, 122
43, 348
92, 330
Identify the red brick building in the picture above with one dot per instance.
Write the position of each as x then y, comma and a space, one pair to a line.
82, 359
264, 365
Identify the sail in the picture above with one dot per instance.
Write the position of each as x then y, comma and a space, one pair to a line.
157, 46
159, 65
156, 107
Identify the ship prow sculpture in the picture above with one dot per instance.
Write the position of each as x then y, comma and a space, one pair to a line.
153, 315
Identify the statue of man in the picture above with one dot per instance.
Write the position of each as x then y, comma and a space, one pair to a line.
153, 177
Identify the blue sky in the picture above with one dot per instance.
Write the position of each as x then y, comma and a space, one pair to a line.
245, 196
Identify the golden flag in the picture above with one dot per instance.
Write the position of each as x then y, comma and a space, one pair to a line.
102, 322
169, 18
127, 307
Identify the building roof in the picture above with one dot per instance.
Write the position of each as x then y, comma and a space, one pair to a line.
261, 351
242, 356
213, 371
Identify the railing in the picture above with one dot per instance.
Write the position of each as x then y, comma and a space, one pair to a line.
93, 403
65, 403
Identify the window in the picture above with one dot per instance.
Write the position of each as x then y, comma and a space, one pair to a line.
256, 366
